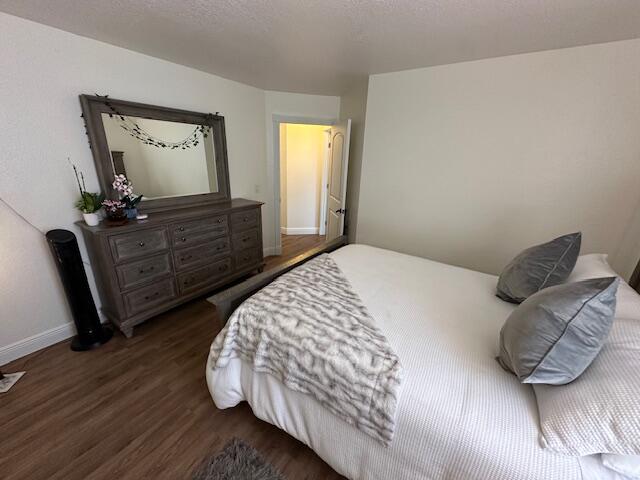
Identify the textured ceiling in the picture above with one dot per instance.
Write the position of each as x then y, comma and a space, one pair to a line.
321, 46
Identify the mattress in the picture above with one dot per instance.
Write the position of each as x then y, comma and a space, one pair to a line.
460, 416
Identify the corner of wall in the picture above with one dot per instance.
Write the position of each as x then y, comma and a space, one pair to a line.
353, 105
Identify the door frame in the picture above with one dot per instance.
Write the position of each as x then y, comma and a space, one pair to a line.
301, 120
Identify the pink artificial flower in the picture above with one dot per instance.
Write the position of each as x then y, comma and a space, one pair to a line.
122, 185
113, 205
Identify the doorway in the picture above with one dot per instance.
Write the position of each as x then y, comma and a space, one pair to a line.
335, 159
303, 155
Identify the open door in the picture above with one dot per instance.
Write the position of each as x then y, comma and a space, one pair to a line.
337, 181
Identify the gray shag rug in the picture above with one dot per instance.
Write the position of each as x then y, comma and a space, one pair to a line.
237, 461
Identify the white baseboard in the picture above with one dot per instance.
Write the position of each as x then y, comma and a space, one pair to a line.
36, 342
299, 231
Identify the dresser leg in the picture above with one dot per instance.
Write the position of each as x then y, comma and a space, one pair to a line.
127, 331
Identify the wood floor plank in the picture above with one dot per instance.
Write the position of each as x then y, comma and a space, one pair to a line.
137, 408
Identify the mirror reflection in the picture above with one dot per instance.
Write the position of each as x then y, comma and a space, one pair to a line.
162, 158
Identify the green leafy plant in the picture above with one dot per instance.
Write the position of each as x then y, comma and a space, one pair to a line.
90, 202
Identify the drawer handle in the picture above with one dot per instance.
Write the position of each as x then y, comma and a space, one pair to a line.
181, 229
184, 239
220, 220
141, 244
184, 259
246, 239
149, 297
246, 257
188, 281
150, 269
246, 219
222, 268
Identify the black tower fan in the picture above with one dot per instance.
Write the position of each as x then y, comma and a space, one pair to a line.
91, 333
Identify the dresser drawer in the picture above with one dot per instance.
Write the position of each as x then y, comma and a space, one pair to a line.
137, 244
146, 298
245, 240
189, 230
143, 271
245, 219
201, 277
247, 258
196, 238
193, 256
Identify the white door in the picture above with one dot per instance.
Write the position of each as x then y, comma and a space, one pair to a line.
337, 181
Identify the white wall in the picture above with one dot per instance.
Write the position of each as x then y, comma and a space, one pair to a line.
353, 105
470, 163
292, 105
43, 70
302, 160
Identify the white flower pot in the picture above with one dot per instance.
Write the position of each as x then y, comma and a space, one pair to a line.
91, 219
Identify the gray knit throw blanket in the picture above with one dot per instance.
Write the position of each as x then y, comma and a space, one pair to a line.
311, 331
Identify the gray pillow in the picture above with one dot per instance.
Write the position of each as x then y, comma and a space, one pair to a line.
539, 267
554, 335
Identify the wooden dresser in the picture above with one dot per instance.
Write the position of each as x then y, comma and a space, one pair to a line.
146, 267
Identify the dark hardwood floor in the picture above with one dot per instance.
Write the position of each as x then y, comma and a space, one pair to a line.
293, 245
138, 408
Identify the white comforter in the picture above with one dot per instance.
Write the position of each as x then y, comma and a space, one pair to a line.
460, 416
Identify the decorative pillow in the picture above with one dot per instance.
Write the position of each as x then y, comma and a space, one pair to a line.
554, 335
539, 267
600, 411
595, 265
628, 465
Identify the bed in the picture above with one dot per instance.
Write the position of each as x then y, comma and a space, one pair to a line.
459, 416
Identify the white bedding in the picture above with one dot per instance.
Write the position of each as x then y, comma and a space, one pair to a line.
460, 416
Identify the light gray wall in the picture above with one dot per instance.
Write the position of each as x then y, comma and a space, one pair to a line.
353, 105
470, 163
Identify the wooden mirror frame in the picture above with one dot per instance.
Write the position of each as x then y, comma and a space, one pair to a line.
92, 109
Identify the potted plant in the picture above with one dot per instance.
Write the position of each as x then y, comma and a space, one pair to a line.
89, 203
125, 190
115, 210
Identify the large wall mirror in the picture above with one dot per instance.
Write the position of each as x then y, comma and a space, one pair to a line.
175, 158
